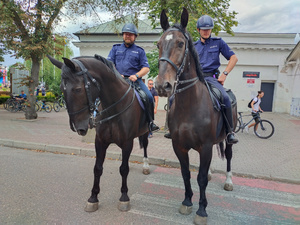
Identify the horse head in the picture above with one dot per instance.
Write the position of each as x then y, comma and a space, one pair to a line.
173, 49
75, 85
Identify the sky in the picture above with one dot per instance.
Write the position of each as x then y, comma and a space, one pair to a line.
255, 16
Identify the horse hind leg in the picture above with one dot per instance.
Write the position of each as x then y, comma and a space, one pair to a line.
93, 202
143, 140
228, 186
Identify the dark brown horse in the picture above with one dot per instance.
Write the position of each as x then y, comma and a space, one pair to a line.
192, 119
121, 117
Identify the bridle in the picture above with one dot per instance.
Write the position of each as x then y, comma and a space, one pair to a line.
91, 105
179, 70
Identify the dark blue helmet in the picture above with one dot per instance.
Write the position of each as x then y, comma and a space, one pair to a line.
130, 28
205, 23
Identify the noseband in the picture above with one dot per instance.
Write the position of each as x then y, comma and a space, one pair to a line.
179, 70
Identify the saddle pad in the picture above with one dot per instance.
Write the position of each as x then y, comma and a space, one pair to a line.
139, 99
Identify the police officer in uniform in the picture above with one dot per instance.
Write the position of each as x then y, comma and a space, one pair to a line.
131, 62
209, 49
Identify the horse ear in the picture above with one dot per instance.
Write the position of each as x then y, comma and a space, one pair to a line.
184, 18
164, 22
55, 62
69, 64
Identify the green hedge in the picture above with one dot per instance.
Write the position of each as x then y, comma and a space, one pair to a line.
3, 98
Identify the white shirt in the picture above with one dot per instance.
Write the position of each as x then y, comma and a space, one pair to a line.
256, 105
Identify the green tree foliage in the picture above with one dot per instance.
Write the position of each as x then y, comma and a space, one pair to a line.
26, 28
153, 62
50, 74
1, 55
217, 9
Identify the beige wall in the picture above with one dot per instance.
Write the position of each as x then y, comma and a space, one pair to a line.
264, 53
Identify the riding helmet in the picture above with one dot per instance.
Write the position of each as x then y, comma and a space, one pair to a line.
205, 23
130, 28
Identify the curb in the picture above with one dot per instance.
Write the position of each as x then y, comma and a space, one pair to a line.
118, 156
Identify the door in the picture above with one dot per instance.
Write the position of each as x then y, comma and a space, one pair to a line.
267, 101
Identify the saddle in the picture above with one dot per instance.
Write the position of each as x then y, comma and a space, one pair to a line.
217, 97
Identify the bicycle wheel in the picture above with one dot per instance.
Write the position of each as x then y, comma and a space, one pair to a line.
238, 126
37, 107
56, 107
12, 107
23, 107
264, 129
63, 104
6, 103
48, 108
40, 104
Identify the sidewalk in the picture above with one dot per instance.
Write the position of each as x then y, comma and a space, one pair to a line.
277, 158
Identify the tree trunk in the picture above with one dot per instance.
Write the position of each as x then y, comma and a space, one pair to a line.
33, 82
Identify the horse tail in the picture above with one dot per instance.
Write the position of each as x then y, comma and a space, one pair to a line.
221, 150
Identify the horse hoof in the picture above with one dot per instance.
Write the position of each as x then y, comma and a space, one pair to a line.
185, 210
228, 187
199, 220
146, 171
91, 207
124, 206
209, 177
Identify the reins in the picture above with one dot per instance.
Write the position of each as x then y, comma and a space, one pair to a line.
91, 105
179, 70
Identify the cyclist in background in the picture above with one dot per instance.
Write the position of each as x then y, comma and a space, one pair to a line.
22, 96
255, 107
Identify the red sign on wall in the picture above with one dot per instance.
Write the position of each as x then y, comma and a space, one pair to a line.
250, 81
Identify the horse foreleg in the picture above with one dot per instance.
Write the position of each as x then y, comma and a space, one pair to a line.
202, 179
92, 204
228, 186
124, 201
183, 157
144, 144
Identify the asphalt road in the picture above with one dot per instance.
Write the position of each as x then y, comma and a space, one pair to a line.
46, 188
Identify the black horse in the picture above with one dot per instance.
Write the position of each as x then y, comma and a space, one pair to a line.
121, 118
193, 121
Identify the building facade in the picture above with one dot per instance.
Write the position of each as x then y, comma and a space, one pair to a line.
267, 61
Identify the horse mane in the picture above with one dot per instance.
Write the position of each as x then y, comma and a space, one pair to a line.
192, 51
106, 62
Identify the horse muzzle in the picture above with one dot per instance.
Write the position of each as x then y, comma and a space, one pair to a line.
80, 131
164, 88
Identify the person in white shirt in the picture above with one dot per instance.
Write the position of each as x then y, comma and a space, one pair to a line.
255, 106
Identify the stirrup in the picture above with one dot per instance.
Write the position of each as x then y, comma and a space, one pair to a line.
154, 127
233, 141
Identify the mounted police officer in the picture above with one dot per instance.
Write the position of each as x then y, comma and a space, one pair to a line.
209, 49
131, 62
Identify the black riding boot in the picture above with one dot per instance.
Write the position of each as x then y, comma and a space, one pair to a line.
149, 109
231, 139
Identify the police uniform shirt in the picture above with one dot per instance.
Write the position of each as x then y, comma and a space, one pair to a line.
209, 53
129, 60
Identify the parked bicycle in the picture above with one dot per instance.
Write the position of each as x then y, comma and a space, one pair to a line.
13, 104
262, 128
42, 105
59, 103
